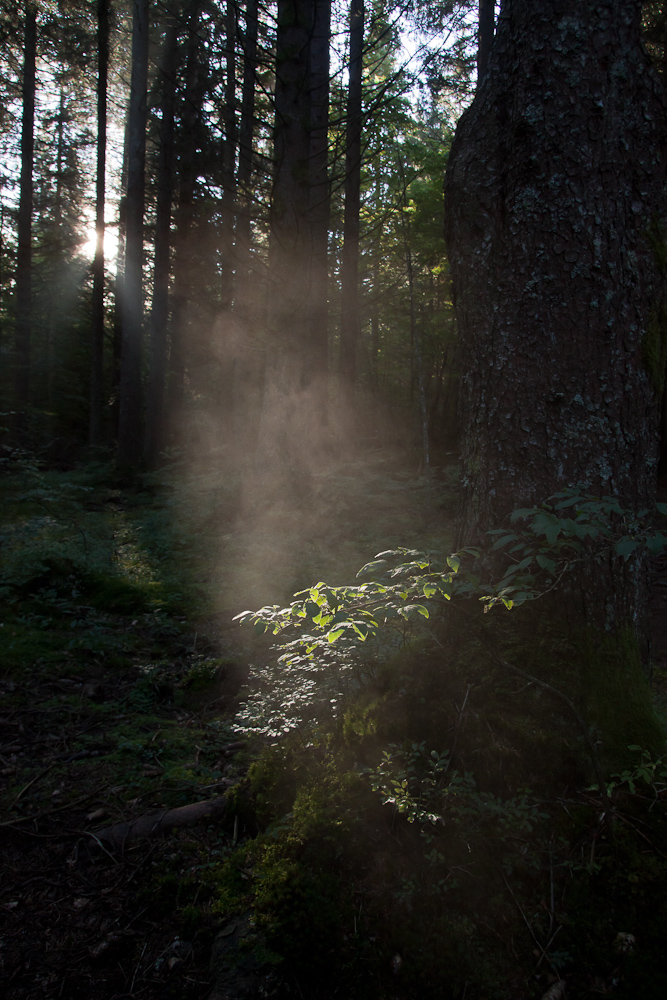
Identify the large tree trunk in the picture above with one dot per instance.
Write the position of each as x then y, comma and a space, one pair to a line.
97, 344
24, 250
554, 194
285, 444
129, 421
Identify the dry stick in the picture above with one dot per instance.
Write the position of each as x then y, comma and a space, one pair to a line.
49, 812
585, 732
532, 933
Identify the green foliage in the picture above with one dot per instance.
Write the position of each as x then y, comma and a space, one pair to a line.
333, 637
648, 775
423, 788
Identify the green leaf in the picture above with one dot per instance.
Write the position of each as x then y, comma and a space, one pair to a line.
334, 634
498, 544
545, 563
662, 508
570, 502
523, 513
373, 567
656, 543
626, 546
453, 562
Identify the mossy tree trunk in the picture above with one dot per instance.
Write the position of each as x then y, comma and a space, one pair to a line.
555, 195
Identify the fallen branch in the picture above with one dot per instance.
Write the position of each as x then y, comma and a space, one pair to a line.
156, 823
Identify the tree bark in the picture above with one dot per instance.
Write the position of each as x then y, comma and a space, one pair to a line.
554, 194
129, 425
97, 340
24, 249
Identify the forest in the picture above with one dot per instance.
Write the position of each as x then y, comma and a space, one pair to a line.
333, 523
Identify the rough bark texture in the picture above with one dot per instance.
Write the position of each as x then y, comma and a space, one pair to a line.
554, 192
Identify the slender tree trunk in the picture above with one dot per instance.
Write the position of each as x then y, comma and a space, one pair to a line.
54, 307
117, 342
555, 191
229, 160
24, 250
247, 128
186, 185
97, 346
242, 375
320, 198
129, 425
349, 329
485, 34
158, 344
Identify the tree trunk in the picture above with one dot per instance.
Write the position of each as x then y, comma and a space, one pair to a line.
97, 340
157, 362
349, 327
129, 426
554, 194
24, 250
285, 442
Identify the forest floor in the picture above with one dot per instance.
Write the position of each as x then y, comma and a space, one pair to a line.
120, 672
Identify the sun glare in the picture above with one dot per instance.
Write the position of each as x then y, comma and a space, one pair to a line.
110, 244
